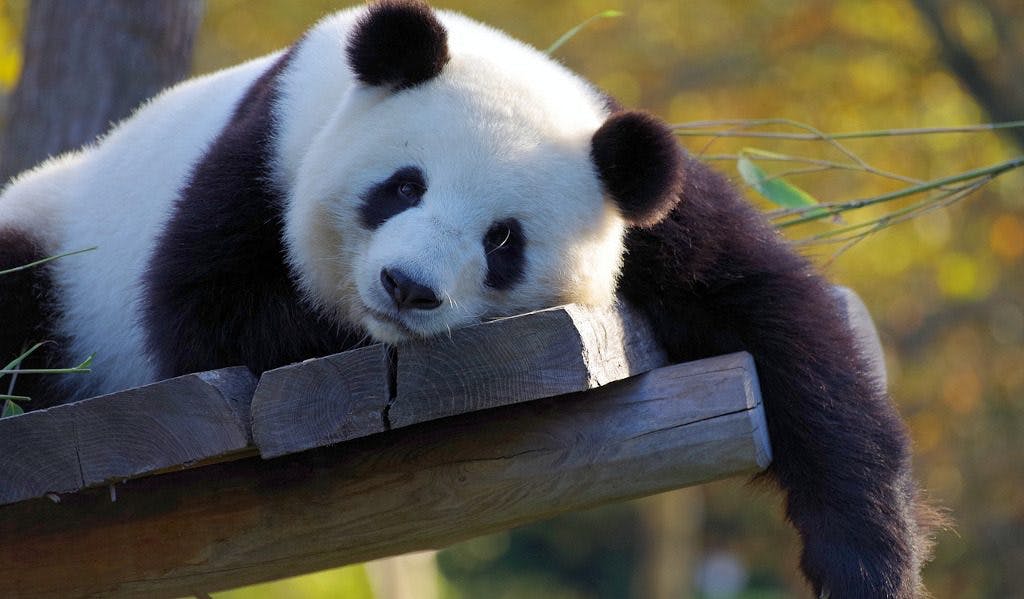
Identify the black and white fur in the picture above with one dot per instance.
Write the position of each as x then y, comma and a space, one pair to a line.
399, 172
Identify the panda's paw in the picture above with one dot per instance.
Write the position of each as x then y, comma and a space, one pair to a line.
839, 567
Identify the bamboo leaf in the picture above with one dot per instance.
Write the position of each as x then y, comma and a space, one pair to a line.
11, 408
777, 191
13, 364
75, 370
81, 368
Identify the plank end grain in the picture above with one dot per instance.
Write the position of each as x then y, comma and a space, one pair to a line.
38, 454
321, 401
512, 360
173, 423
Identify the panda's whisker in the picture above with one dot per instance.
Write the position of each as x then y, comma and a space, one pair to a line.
451, 300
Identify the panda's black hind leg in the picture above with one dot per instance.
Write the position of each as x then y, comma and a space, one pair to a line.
27, 317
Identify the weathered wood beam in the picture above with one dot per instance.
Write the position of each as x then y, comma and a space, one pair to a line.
863, 328
419, 487
200, 418
512, 360
170, 424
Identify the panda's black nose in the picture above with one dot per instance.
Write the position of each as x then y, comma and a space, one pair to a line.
406, 292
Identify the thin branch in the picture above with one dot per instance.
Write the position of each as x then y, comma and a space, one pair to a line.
829, 209
568, 35
994, 96
45, 260
693, 129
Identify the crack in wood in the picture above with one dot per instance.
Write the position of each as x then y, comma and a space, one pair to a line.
665, 429
391, 372
78, 452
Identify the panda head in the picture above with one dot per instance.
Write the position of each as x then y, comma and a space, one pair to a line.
465, 176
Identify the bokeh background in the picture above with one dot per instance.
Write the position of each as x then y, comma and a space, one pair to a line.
946, 289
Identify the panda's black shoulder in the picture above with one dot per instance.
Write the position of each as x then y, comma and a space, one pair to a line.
217, 289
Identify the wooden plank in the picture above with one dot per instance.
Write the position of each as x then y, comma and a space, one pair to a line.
170, 424
551, 352
321, 401
173, 423
511, 360
420, 487
541, 354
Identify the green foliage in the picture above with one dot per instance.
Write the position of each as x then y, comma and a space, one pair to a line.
10, 408
10, 405
775, 189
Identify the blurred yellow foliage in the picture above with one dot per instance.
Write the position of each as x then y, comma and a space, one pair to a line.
10, 50
1007, 237
350, 582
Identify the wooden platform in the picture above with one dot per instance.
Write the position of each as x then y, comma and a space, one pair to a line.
214, 480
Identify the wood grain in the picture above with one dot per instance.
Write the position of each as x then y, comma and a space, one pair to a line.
863, 328
511, 360
38, 454
545, 353
321, 401
420, 487
170, 424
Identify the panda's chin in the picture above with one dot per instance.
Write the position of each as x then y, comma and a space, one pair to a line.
388, 329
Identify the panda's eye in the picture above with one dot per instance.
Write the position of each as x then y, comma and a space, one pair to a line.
411, 192
401, 191
498, 237
504, 246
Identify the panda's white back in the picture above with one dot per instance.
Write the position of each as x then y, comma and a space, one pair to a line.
114, 195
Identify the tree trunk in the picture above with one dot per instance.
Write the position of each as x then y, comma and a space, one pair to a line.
672, 524
88, 63
997, 85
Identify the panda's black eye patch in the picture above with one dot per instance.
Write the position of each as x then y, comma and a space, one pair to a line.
399, 192
504, 246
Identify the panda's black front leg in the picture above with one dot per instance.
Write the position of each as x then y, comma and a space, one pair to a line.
714, 278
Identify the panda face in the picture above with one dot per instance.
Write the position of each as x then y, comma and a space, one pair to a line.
451, 174
462, 199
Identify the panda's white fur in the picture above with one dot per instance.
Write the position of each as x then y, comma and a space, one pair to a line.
115, 195
524, 123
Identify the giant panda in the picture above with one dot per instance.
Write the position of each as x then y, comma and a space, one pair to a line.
399, 172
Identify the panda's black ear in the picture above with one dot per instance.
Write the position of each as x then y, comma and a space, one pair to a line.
397, 43
640, 164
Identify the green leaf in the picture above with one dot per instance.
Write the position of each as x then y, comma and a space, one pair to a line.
13, 364
11, 409
777, 191
82, 368
568, 35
